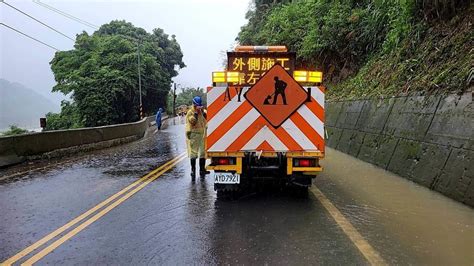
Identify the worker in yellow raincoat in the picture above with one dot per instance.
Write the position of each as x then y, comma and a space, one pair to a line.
195, 136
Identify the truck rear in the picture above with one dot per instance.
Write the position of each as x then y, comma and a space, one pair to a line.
265, 120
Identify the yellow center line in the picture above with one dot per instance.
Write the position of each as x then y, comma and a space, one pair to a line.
71, 223
364, 247
96, 217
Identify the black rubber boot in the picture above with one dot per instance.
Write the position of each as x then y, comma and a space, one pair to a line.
202, 167
193, 168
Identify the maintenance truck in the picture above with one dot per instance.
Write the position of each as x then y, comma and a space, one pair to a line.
265, 120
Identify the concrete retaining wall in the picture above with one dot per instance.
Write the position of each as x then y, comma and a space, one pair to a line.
427, 139
15, 149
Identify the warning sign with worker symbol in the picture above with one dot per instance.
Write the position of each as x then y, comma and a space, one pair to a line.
276, 95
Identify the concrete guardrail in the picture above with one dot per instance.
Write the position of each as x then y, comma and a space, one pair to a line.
57, 143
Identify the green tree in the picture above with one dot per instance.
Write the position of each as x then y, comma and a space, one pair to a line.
100, 74
14, 130
68, 118
185, 97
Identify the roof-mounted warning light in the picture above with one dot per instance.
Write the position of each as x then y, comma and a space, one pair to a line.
308, 76
225, 77
255, 49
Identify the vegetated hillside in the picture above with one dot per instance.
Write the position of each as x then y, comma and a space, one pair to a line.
22, 106
372, 47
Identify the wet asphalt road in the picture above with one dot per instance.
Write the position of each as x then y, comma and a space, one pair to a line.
175, 221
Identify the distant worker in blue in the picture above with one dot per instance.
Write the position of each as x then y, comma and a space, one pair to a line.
158, 118
195, 136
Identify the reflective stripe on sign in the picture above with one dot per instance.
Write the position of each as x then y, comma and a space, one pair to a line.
214, 93
237, 126
223, 113
237, 129
299, 136
220, 97
265, 134
228, 124
312, 119
317, 95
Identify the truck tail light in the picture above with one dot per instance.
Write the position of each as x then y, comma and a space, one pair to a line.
223, 161
304, 162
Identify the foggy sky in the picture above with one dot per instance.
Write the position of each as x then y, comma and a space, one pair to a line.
203, 28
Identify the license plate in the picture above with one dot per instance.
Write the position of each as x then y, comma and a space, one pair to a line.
226, 178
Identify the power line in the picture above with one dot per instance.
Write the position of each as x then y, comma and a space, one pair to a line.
66, 14
37, 20
24, 34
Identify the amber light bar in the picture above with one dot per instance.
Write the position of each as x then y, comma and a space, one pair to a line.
308, 76
225, 77
253, 49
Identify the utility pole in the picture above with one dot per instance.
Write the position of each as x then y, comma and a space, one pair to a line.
139, 80
174, 100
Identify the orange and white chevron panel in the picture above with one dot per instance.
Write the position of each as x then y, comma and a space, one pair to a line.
235, 125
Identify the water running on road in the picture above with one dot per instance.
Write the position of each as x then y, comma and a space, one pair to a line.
408, 223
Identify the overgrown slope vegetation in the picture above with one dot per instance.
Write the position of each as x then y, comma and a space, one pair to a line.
372, 47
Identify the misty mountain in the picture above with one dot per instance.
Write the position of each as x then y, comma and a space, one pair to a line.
22, 106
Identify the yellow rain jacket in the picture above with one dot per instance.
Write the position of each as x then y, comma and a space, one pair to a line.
196, 133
